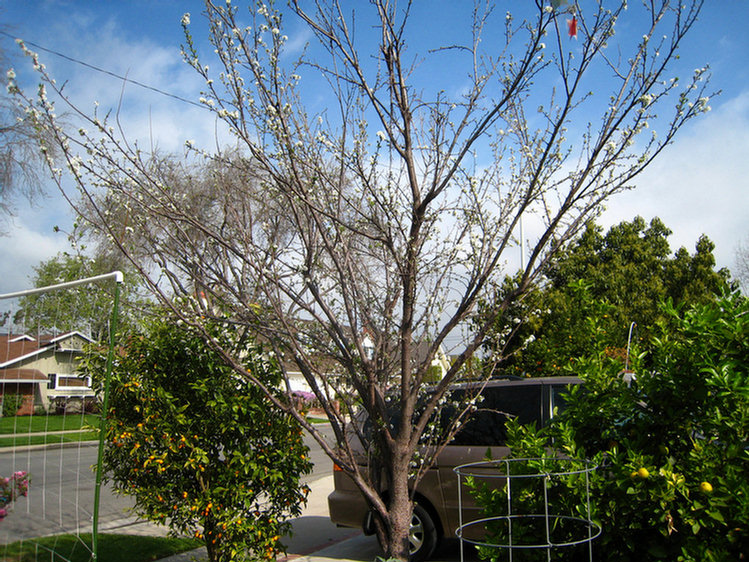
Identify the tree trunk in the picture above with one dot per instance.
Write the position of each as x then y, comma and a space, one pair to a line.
400, 509
209, 538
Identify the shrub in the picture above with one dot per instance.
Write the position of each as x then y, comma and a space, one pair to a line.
11, 403
199, 447
304, 400
11, 488
673, 482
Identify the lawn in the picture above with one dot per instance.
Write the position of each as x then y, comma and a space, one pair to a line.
112, 548
38, 424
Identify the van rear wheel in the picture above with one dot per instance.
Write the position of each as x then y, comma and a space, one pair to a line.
422, 535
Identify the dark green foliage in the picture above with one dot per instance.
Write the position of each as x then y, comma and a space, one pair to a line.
618, 278
10, 403
199, 447
673, 448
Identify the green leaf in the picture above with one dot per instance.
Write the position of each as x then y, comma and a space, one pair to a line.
657, 551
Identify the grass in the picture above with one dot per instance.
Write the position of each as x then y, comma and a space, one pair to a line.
41, 423
42, 439
112, 548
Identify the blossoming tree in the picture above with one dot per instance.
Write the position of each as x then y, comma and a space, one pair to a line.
358, 233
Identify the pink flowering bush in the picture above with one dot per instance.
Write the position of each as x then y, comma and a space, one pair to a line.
304, 400
11, 489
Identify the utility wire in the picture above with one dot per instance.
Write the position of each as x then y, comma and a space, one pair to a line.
104, 71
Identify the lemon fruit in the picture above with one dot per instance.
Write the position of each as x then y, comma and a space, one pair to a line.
706, 488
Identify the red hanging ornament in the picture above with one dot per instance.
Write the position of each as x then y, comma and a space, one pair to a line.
572, 26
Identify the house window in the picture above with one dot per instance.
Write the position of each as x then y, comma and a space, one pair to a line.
52, 382
73, 381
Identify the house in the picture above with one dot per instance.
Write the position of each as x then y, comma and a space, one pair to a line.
42, 370
439, 365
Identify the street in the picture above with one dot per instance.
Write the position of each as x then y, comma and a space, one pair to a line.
61, 494
61, 497
313, 530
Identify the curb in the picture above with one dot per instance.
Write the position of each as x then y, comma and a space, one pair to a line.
68, 445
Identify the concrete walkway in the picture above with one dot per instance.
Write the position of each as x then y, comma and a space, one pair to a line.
333, 544
329, 541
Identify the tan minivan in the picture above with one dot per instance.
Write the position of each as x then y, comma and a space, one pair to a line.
436, 513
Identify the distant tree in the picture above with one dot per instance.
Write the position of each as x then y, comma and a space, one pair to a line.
201, 449
86, 308
229, 186
21, 163
621, 277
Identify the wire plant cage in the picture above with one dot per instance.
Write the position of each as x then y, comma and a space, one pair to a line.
527, 504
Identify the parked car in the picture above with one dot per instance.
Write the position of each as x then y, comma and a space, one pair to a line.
436, 508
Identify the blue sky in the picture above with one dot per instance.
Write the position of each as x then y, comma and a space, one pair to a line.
698, 186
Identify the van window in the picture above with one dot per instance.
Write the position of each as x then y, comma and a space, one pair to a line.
558, 403
486, 426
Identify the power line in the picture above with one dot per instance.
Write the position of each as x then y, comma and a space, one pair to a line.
104, 71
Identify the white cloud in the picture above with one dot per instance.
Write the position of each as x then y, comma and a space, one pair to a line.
698, 185
298, 41
148, 117
23, 248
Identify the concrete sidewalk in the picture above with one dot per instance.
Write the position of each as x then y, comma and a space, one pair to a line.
358, 548
331, 544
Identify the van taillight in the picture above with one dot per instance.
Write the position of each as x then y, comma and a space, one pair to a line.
337, 468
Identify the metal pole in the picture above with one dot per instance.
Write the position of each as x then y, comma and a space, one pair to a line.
103, 419
590, 519
546, 484
460, 513
629, 340
116, 275
509, 507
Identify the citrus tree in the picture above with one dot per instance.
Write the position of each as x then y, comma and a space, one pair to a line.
199, 448
672, 447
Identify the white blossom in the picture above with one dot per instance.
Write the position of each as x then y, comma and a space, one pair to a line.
646, 99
